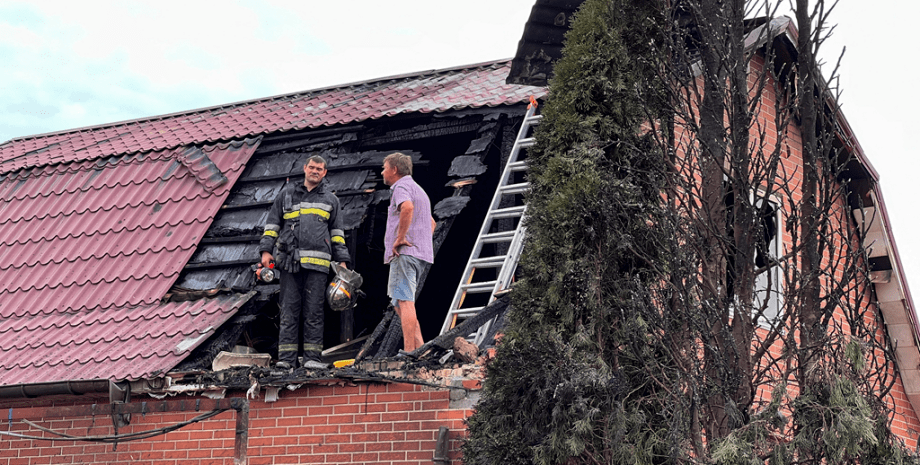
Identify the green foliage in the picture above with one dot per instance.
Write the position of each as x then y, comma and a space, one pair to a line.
612, 353
557, 391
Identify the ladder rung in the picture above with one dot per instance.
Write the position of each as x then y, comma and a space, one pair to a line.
518, 166
518, 188
466, 312
504, 236
510, 212
479, 288
504, 265
488, 262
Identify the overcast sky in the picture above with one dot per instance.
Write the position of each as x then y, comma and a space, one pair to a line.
68, 64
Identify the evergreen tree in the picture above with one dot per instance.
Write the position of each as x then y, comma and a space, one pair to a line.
647, 326
560, 386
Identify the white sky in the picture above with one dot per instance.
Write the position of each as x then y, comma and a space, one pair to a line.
67, 64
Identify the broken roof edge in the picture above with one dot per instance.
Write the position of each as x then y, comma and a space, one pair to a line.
430, 72
252, 379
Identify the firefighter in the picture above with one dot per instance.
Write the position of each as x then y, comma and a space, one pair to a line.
303, 236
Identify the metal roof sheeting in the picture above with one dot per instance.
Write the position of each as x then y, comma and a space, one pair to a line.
431, 91
88, 249
115, 232
116, 343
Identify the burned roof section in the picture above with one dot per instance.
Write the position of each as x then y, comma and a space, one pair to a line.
457, 157
116, 235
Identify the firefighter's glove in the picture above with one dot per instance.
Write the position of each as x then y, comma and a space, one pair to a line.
287, 250
293, 265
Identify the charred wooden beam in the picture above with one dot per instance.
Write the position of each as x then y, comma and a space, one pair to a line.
439, 129
266, 204
296, 144
469, 326
232, 239
488, 134
331, 169
375, 336
390, 344
294, 135
224, 339
217, 264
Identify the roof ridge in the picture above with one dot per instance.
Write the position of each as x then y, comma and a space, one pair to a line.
232, 105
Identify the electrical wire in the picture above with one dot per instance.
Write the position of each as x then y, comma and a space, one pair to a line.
113, 438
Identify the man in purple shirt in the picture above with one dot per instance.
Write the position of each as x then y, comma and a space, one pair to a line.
407, 244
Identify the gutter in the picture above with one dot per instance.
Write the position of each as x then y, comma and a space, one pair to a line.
80, 387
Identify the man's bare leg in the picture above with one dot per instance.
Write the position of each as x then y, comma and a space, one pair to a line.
412, 333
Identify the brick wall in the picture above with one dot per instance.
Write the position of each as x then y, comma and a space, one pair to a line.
341, 424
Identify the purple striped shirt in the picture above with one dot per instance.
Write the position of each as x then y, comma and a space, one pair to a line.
419, 234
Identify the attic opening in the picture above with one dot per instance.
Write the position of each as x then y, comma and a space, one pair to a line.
457, 158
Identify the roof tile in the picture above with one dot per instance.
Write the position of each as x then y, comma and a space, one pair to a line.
123, 343
106, 235
468, 87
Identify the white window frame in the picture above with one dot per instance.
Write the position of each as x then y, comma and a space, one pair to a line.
773, 297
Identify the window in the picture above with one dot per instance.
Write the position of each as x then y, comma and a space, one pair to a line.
768, 249
768, 287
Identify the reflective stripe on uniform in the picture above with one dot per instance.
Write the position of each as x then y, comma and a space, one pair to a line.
314, 211
271, 230
309, 208
338, 235
312, 347
287, 347
312, 257
314, 261
314, 254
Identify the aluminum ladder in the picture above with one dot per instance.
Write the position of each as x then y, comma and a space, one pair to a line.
502, 265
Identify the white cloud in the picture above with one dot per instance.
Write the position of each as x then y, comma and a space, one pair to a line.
122, 60
71, 63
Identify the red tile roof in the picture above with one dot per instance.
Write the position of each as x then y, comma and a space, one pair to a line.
88, 248
97, 223
441, 90
121, 342
112, 232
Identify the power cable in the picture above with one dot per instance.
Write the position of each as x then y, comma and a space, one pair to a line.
114, 438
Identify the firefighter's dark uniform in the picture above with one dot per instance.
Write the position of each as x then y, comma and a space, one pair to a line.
313, 218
